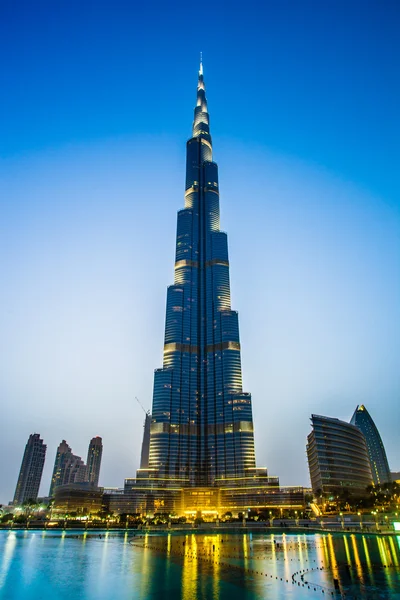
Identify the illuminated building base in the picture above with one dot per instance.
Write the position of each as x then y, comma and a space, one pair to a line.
151, 496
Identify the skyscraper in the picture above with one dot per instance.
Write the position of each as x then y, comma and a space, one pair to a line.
93, 462
68, 468
337, 457
31, 470
57, 478
376, 450
202, 424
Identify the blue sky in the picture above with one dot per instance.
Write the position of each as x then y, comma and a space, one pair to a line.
96, 109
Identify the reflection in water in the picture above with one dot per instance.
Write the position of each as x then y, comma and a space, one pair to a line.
394, 554
7, 556
103, 567
245, 551
189, 571
382, 551
360, 573
313, 562
376, 560
287, 573
86, 566
346, 547
332, 558
368, 568
146, 571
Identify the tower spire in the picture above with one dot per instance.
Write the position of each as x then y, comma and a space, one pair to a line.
201, 123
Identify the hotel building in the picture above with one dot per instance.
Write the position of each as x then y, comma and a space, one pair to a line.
337, 457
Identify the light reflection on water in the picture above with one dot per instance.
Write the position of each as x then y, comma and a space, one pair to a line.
123, 566
7, 554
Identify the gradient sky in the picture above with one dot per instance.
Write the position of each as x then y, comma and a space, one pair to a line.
96, 106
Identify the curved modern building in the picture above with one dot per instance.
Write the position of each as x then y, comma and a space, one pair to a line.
337, 457
201, 420
376, 450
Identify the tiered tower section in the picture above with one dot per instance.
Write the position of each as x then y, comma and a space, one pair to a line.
202, 424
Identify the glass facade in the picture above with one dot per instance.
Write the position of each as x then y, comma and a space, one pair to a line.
376, 450
201, 422
31, 470
337, 457
93, 463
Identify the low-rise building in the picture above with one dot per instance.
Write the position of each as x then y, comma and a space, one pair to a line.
78, 499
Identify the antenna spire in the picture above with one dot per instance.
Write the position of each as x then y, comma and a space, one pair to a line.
147, 412
201, 64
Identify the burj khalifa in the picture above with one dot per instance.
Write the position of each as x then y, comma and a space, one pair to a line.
201, 419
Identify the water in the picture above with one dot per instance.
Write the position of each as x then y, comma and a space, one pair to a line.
54, 565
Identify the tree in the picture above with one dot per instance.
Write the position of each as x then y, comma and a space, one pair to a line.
30, 505
20, 519
7, 517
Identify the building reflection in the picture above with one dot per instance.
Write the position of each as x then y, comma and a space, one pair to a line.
394, 552
190, 579
361, 562
199, 565
7, 557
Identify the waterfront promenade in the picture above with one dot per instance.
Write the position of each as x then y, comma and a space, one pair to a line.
330, 524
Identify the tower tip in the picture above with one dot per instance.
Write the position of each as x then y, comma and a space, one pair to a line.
201, 64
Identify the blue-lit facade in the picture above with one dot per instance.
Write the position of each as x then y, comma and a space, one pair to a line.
201, 422
376, 450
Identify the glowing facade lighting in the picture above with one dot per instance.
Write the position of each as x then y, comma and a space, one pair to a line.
202, 423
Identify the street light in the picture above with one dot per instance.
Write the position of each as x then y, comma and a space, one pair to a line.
342, 519
360, 515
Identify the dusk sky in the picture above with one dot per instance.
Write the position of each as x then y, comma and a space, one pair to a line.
96, 106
